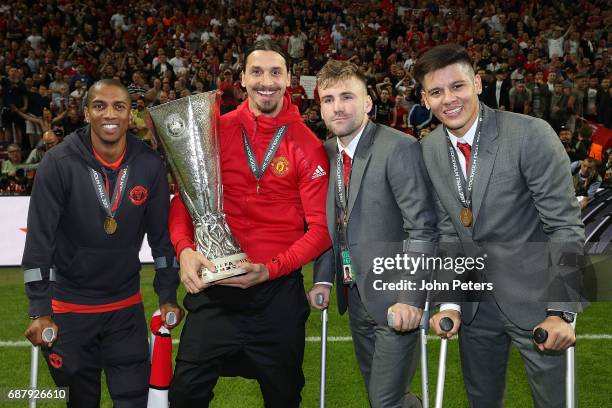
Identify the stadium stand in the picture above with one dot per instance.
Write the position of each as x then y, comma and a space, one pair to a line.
543, 58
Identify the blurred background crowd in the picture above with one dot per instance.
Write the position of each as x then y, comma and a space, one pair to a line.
549, 59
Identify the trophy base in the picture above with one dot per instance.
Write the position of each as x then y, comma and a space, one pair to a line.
226, 267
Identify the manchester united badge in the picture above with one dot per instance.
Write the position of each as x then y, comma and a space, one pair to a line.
280, 166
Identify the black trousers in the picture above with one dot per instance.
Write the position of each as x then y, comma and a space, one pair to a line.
259, 336
88, 343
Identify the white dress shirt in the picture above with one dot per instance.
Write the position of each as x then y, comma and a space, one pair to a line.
498, 86
352, 146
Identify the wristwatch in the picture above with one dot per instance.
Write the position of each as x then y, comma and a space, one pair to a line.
568, 317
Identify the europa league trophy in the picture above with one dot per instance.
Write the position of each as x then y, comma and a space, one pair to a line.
188, 129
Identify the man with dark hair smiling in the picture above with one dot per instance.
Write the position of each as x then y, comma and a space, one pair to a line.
502, 188
274, 173
95, 195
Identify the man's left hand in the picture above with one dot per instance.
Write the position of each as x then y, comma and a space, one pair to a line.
405, 317
561, 334
171, 307
255, 274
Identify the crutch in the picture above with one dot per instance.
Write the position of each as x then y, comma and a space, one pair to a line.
319, 301
539, 336
423, 327
48, 335
446, 324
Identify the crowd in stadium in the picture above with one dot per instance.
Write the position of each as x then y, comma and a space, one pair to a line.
543, 58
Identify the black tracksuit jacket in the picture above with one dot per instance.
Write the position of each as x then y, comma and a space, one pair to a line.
65, 228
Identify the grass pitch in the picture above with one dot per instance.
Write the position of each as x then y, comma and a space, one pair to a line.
345, 387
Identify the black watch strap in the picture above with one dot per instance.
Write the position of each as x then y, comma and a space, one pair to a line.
566, 316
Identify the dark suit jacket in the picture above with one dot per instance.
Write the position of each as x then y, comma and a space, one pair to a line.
504, 98
390, 211
158, 69
488, 94
526, 217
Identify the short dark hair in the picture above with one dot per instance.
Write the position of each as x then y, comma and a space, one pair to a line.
106, 82
268, 45
335, 71
440, 57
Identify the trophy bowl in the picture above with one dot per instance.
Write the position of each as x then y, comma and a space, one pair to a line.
188, 129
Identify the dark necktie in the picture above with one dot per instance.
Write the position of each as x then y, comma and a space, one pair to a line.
346, 160
466, 149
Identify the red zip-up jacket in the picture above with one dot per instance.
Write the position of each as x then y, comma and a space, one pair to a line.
269, 225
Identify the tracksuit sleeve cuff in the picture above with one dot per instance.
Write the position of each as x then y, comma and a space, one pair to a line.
39, 295
167, 296
273, 267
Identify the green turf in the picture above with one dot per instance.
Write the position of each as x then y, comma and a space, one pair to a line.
344, 384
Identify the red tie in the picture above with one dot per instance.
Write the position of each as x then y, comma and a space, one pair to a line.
466, 149
346, 160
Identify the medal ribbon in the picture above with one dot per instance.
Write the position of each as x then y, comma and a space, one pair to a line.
465, 197
270, 152
342, 189
102, 193
342, 198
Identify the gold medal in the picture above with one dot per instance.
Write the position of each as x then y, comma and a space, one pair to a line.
110, 225
466, 217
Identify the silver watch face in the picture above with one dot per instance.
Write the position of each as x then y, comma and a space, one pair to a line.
568, 317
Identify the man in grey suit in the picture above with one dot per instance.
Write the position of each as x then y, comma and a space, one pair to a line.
378, 207
503, 190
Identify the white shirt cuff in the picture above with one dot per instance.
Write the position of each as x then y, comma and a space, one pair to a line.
324, 283
450, 306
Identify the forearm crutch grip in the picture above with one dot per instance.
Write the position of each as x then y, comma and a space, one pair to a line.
48, 334
540, 335
171, 318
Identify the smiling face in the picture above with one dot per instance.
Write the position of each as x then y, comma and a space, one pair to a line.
344, 107
452, 95
108, 113
265, 78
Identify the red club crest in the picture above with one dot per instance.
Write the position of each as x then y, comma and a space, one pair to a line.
138, 195
56, 360
280, 166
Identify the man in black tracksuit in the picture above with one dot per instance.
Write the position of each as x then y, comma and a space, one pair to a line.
94, 198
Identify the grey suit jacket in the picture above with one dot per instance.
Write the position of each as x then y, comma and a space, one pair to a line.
390, 212
526, 217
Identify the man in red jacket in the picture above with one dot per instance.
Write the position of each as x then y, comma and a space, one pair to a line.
253, 325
